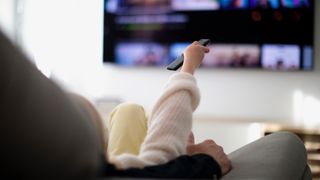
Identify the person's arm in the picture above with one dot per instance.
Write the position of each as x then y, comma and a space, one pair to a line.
171, 118
186, 167
204, 160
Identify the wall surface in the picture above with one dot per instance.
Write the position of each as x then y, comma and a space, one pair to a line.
233, 94
64, 37
6, 17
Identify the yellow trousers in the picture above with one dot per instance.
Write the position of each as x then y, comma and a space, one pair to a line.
127, 127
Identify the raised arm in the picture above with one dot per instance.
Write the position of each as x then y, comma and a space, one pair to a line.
170, 120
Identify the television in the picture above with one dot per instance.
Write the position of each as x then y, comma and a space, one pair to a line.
272, 35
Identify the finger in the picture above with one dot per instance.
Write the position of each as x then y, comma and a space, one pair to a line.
221, 148
191, 139
206, 50
209, 141
195, 43
203, 48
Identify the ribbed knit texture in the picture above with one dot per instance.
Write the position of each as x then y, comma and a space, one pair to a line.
169, 124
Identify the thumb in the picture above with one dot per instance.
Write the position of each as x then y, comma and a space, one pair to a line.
191, 139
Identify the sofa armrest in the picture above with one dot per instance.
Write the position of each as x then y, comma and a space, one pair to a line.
280, 155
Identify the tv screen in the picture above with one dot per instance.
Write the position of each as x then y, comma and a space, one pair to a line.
247, 34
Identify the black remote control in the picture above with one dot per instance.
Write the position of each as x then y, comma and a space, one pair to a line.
177, 63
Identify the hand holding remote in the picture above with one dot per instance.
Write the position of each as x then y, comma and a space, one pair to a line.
176, 64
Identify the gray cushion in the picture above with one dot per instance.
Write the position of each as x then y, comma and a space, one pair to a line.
278, 156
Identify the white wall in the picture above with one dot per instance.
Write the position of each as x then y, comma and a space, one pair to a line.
6, 17
65, 39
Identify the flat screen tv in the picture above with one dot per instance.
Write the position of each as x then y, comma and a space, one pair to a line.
246, 34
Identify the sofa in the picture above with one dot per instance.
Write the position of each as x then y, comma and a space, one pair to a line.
45, 134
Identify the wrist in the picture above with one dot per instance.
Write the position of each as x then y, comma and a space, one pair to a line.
187, 69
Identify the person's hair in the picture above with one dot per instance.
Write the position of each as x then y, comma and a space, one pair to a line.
96, 119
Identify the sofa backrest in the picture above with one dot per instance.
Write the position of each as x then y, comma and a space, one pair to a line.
43, 133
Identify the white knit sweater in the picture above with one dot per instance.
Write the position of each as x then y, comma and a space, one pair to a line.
169, 124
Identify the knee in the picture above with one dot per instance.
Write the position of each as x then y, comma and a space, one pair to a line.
127, 116
129, 108
291, 140
127, 111
289, 137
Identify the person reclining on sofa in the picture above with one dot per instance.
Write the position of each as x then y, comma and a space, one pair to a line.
178, 141
169, 124
46, 133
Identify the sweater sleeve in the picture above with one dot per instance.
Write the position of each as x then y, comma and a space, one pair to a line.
170, 124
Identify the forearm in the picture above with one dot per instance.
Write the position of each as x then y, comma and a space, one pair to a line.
168, 130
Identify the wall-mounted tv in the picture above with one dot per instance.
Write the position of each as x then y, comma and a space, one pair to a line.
246, 34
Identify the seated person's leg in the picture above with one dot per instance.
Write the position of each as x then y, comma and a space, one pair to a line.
127, 126
280, 155
42, 132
